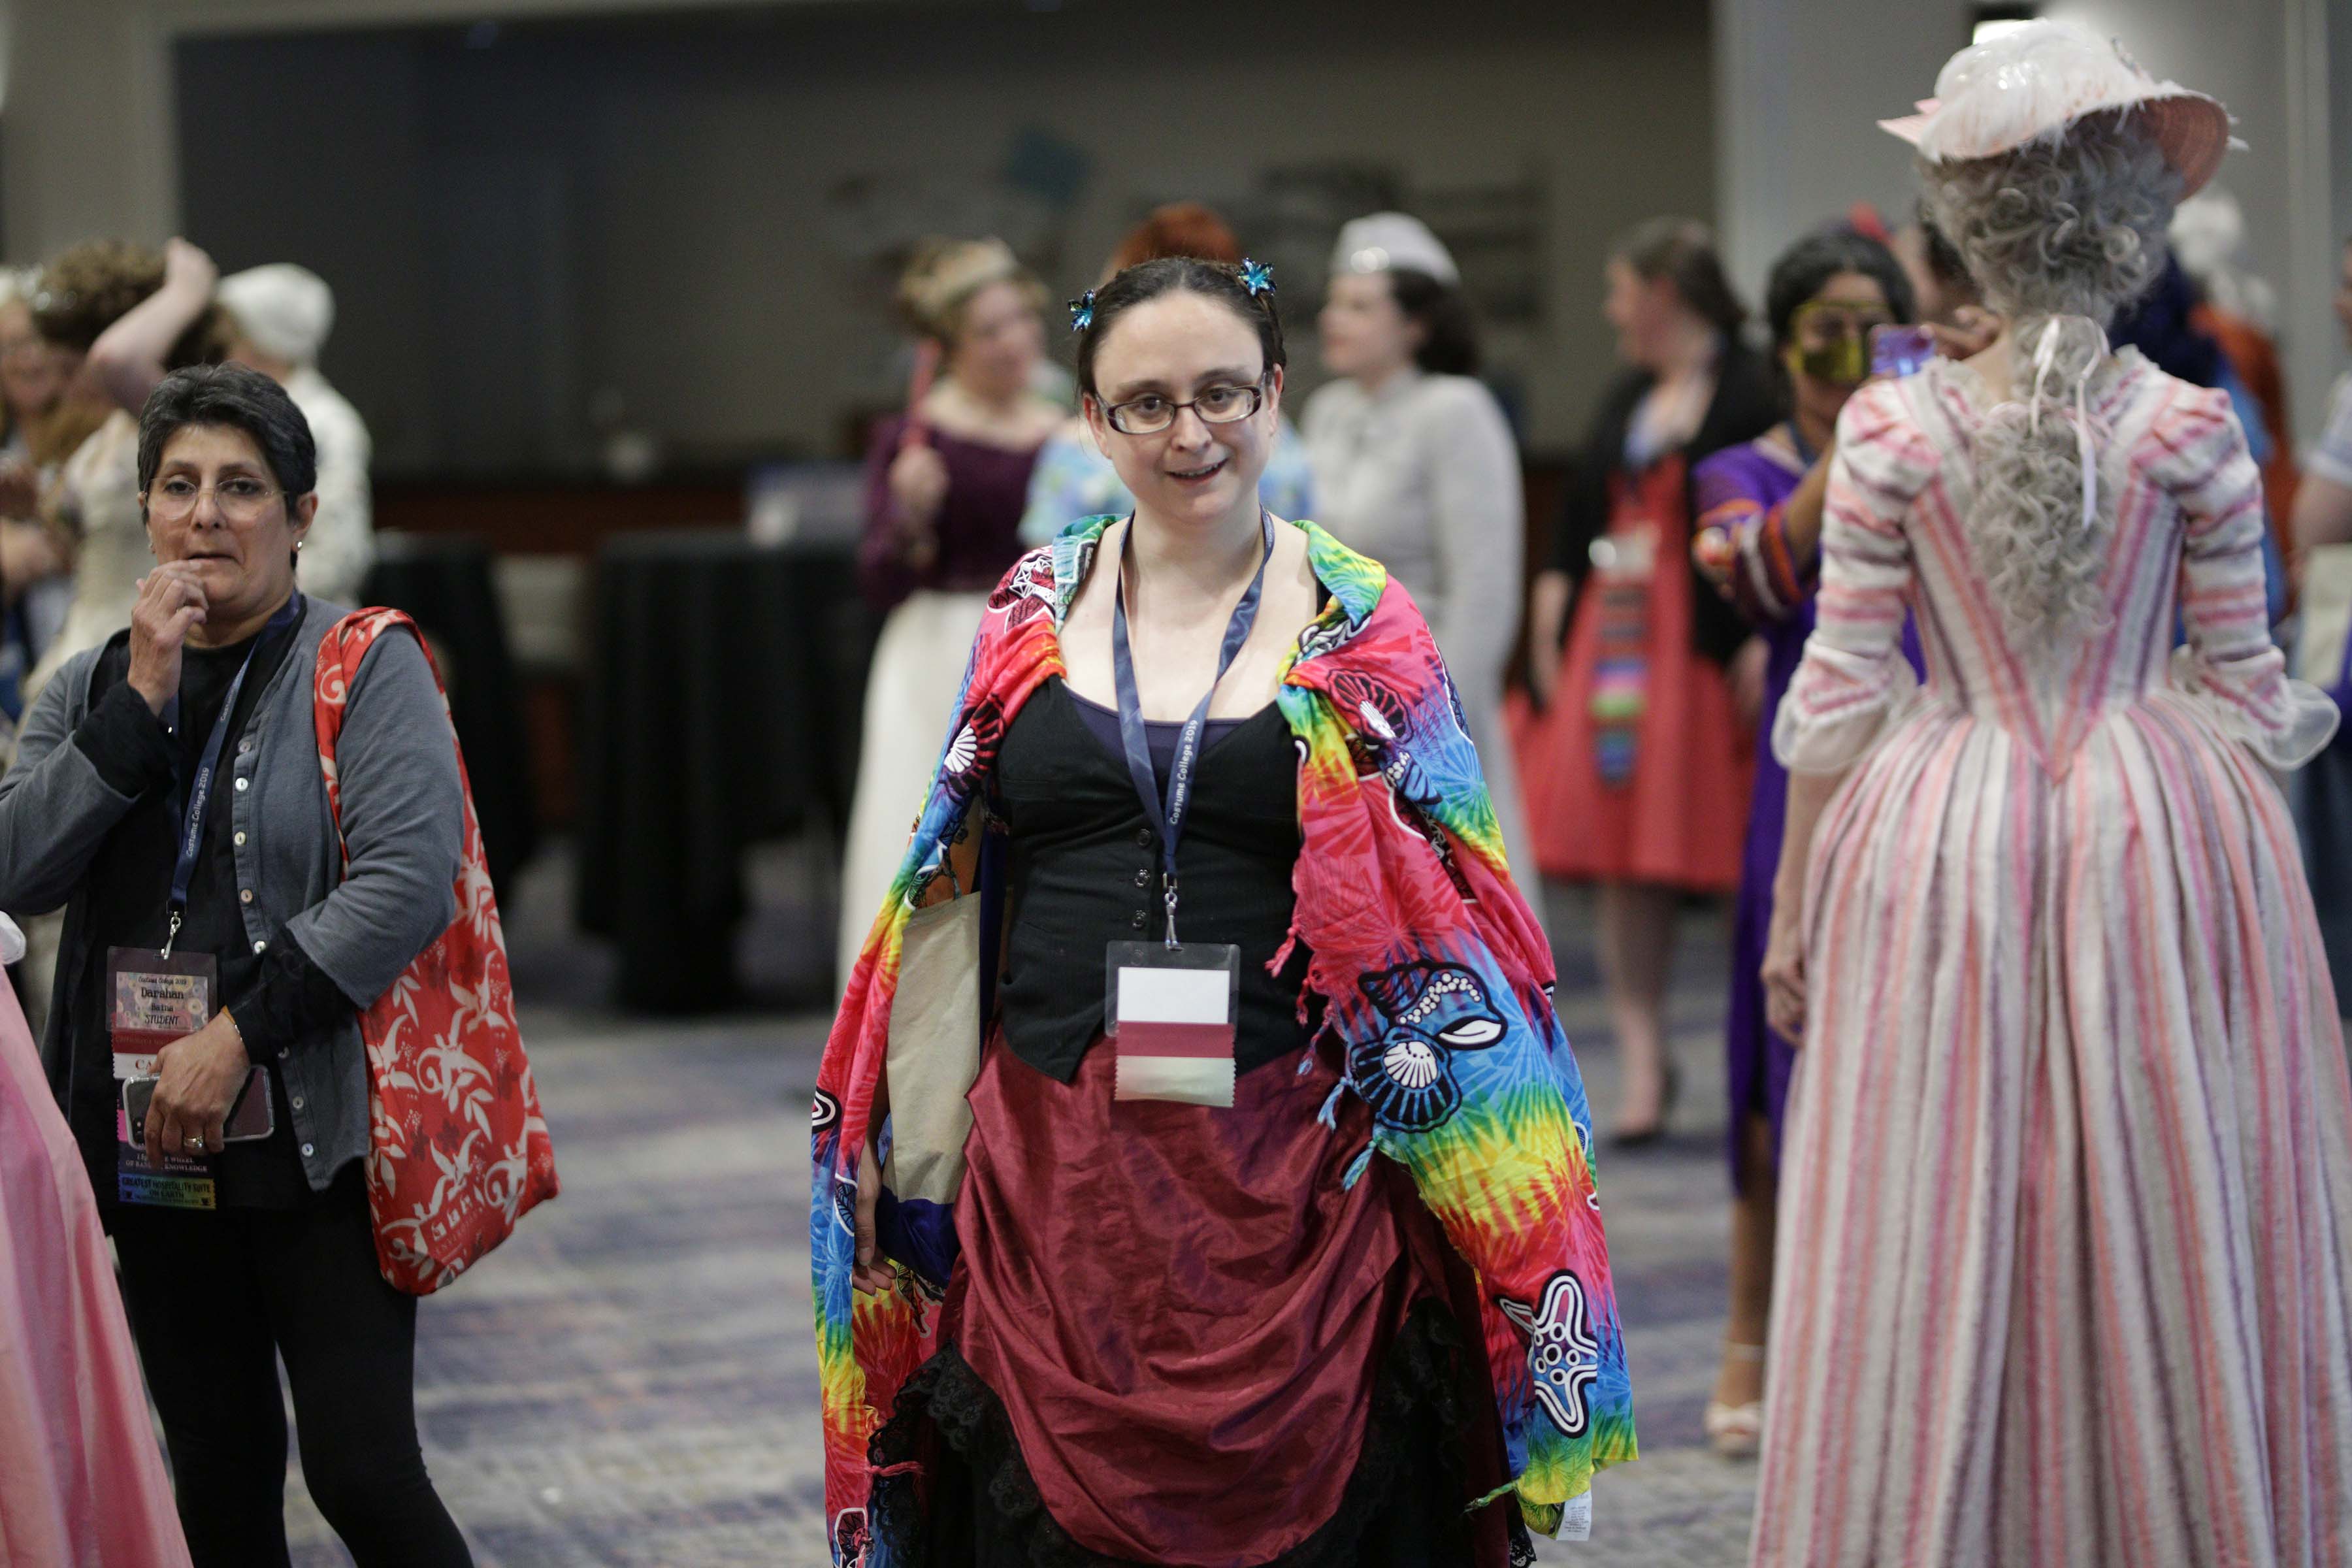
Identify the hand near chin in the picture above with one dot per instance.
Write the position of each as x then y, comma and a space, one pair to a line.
170, 604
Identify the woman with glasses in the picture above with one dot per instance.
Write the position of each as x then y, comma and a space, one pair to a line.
946, 482
1275, 1242
1416, 467
223, 914
1759, 508
1073, 479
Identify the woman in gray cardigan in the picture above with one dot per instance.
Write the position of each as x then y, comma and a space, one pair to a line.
1415, 465
168, 790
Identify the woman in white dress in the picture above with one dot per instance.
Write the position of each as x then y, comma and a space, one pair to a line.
138, 316
2064, 1273
946, 483
1414, 465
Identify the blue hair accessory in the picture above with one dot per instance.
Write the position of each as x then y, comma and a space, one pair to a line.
1256, 276
1081, 311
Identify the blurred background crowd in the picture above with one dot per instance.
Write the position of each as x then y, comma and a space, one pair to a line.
691, 373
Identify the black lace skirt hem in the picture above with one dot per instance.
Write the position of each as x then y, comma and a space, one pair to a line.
1405, 1503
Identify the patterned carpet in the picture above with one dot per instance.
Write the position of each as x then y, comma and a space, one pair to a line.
631, 1381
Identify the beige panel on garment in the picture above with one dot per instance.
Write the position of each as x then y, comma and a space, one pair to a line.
934, 1052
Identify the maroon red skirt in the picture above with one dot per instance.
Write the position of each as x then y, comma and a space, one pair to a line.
1186, 1322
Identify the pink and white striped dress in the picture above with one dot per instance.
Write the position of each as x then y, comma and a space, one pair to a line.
2065, 1243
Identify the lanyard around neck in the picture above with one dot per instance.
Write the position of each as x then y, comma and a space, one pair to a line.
1167, 820
196, 794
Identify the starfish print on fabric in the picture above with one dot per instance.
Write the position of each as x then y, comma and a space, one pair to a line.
1563, 1355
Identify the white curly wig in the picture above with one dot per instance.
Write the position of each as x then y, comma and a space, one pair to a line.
2068, 229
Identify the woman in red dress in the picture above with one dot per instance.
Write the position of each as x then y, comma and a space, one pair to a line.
1636, 774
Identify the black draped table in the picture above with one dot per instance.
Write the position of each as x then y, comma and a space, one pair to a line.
727, 684
442, 581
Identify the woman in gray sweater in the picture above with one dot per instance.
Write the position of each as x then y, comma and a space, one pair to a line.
168, 790
1415, 467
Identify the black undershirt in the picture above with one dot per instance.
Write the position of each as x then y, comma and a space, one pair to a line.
280, 999
1084, 868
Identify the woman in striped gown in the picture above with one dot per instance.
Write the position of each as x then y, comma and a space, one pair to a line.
2065, 1240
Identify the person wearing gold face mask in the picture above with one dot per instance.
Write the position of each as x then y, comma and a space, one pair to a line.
1758, 544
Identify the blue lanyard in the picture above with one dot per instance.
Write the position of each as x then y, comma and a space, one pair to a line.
199, 789
1169, 820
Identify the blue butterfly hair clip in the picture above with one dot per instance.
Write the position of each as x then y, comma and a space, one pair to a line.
1081, 311
1256, 276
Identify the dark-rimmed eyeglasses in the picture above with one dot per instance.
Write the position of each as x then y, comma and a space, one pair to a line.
1151, 413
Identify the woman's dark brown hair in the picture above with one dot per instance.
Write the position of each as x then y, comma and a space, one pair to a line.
1682, 251
1449, 337
1170, 275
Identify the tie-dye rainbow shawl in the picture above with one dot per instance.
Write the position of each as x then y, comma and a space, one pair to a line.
1437, 985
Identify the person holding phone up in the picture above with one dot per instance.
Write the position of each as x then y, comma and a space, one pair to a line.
1831, 297
225, 928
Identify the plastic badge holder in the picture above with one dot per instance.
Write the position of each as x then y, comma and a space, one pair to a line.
1174, 1013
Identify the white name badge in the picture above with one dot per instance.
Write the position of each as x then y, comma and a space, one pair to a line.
1173, 1014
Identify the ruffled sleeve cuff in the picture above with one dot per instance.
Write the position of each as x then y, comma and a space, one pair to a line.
2282, 720
1838, 706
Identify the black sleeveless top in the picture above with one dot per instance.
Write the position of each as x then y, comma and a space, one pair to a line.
1083, 872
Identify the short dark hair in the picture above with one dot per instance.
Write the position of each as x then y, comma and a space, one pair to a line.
1682, 251
1806, 268
1449, 337
237, 398
1173, 274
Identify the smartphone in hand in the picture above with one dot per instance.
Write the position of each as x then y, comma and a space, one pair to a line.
1898, 351
252, 1116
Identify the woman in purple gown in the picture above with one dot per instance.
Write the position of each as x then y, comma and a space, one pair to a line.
1759, 508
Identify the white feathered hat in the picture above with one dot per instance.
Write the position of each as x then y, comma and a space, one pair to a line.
2037, 79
